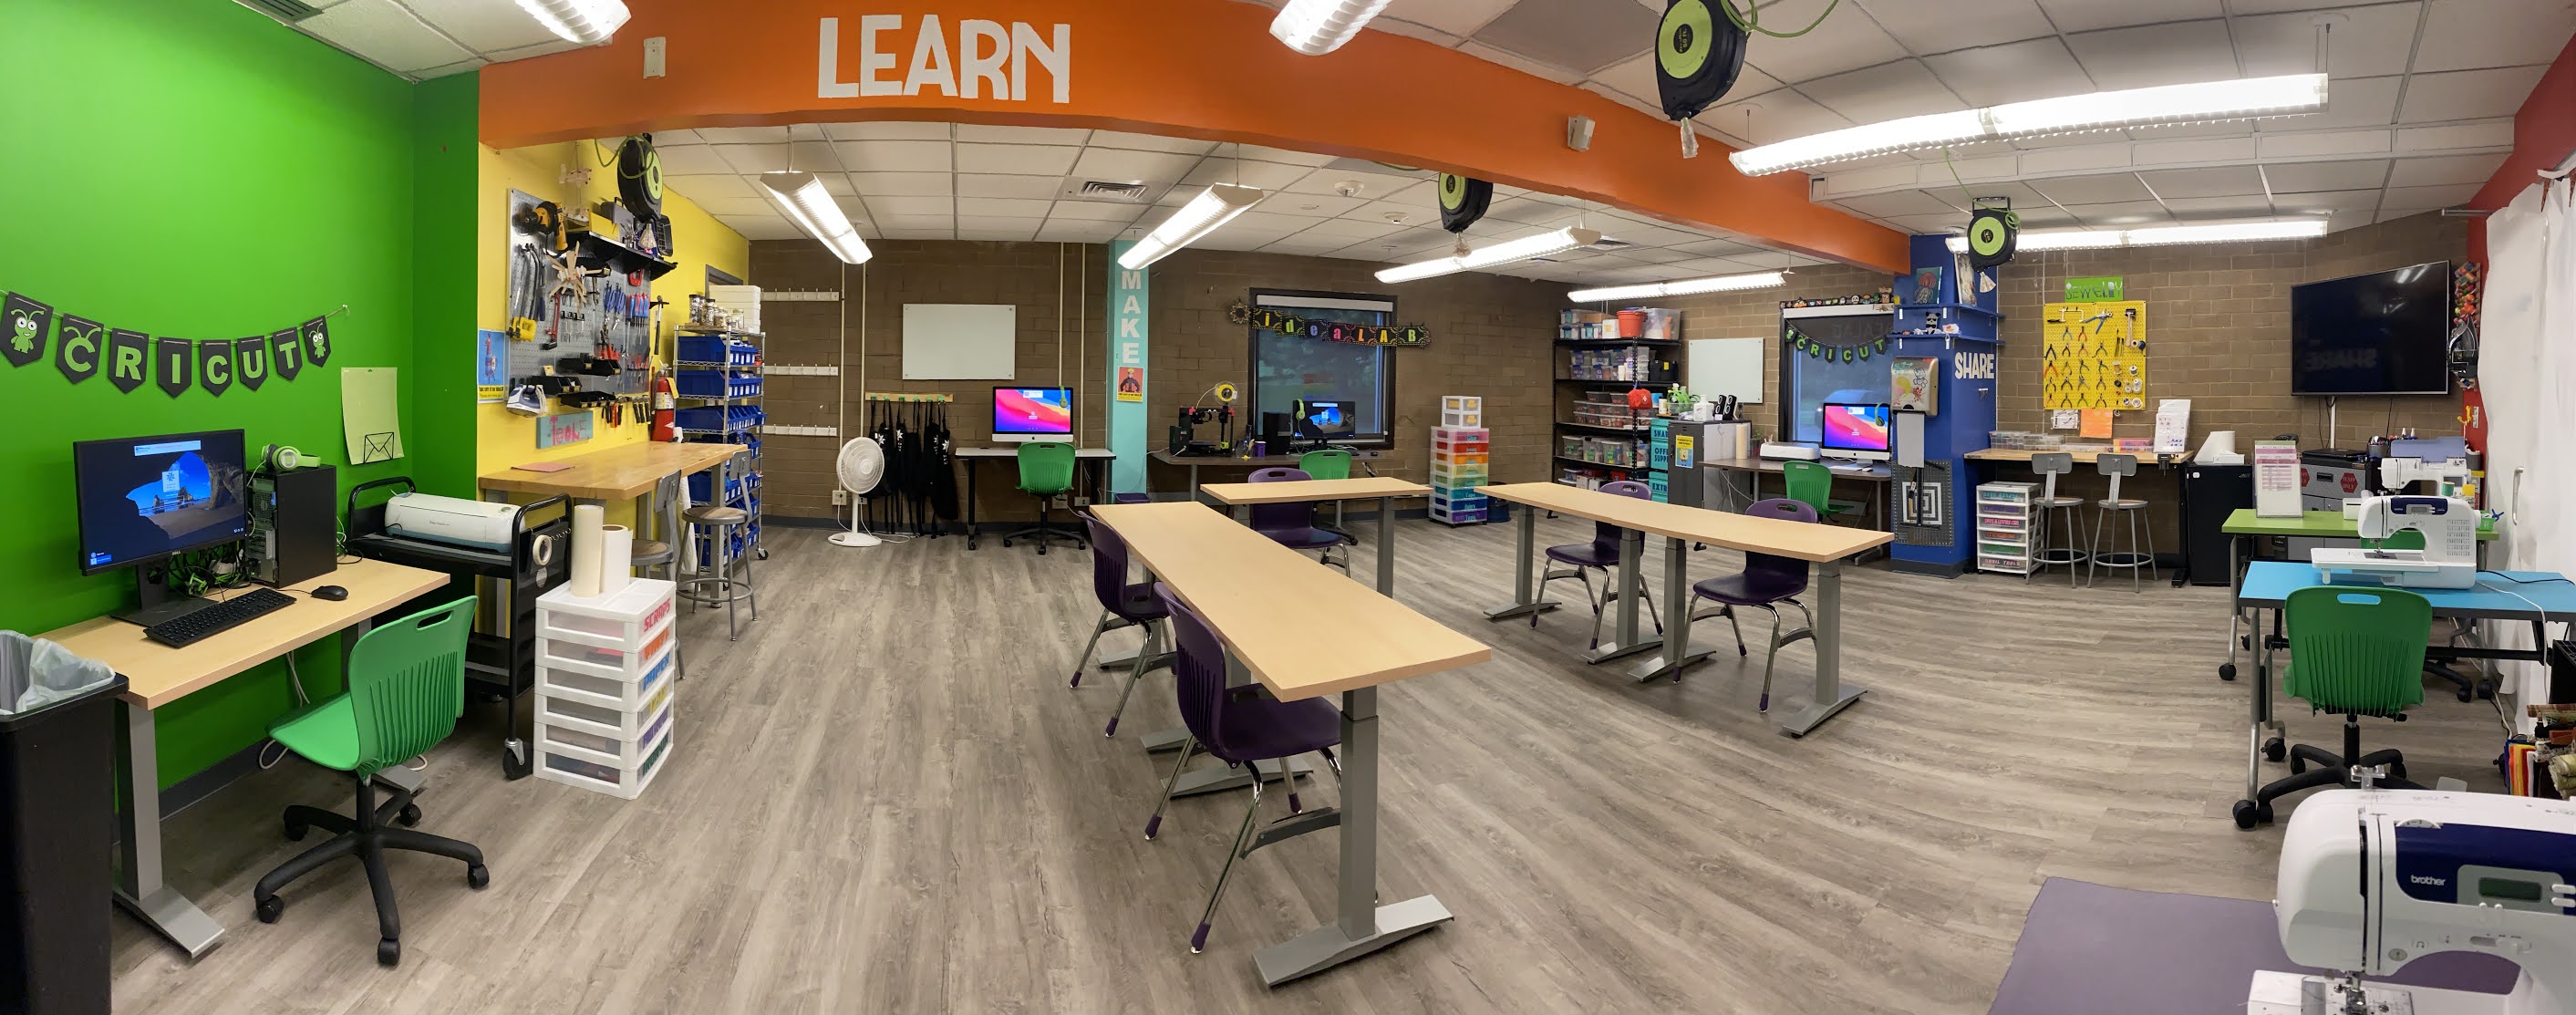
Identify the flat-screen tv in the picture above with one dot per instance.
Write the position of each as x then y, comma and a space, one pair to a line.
2385, 333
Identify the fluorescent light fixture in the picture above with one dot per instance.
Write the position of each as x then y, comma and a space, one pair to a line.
1214, 207
589, 22
1317, 27
1493, 254
2201, 102
811, 207
1684, 287
2096, 239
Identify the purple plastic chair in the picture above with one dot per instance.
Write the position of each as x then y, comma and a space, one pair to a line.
1121, 605
1602, 553
1765, 581
1293, 524
1239, 726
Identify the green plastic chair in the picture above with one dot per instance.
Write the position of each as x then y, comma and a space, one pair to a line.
1046, 473
1330, 463
1812, 485
2354, 651
406, 690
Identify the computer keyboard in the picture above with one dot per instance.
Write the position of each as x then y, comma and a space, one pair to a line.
223, 616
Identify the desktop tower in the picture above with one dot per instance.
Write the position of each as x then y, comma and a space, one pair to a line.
294, 531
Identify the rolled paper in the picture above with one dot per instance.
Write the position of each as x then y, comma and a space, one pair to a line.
616, 548
586, 522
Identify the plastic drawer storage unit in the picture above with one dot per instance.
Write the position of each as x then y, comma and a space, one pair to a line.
2003, 527
1462, 410
604, 687
1459, 457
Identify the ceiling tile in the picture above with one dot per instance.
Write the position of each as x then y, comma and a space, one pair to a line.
729, 208
1077, 231
486, 26
2124, 213
995, 185
2467, 94
2222, 181
754, 158
1304, 246
1584, 35
1023, 160
2430, 197
2358, 102
1136, 166
892, 205
743, 135
1001, 207
691, 160
2454, 169
814, 157
901, 184
1149, 143
701, 188
1413, 215
2305, 177
2109, 188
2219, 207
1939, 26
1636, 78
1886, 92
940, 222
1399, 26
1261, 222
1022, 135
1524, 209
886, 130
1372, 186
1265, 175
2327, 202
893, 156
2016, 72
835, 183
1257, 153
2371, 41
1902, 202
551, 45
1099, 211
1776, 116
1000, 228
1525, 65
771, 228
674, 137
2086, 15
1843, 42
2460, 34
1454, 17
382, 31
2168, 54
1348, 231
1316, 205
459, 67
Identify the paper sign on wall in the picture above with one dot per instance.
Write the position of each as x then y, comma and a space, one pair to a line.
1131, 384
370, 417
2096, 423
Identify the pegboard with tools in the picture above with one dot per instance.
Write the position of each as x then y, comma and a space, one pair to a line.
2094, 355
581, 321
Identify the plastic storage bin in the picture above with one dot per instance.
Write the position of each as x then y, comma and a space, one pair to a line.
57, 829
1462, 410
605, 675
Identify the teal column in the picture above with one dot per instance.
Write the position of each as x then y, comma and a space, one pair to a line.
1130, 432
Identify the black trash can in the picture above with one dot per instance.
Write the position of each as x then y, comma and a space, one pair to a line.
57, 854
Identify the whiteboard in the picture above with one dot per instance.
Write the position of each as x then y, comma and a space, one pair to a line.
960, 341
1727, 366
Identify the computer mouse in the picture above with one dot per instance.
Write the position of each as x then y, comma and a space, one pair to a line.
333, 593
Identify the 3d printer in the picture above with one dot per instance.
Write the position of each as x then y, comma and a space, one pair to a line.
1184, 436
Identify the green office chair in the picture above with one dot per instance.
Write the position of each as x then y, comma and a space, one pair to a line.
1046, 473
406, 689
1812, 485
2467, 686
1330, 463
2354, 651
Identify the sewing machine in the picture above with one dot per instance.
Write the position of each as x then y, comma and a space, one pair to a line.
2397, 473
2373, 879
2449, 559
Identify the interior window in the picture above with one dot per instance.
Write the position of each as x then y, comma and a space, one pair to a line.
1812, 381
1290, 368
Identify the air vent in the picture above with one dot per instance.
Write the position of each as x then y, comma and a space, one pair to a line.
289, 11
1097, 190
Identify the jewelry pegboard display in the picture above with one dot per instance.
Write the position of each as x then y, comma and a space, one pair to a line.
2094, 356
582, 321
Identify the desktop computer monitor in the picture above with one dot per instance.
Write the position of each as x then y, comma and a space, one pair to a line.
1324, 418
143, 499
1021, 415
1860, 433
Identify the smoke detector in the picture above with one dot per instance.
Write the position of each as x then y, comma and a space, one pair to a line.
1396, 218
1347, 188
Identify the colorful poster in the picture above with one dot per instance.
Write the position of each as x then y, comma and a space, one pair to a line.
1131, 384
2096, 425
491, 365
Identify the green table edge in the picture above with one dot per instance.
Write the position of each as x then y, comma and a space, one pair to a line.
2320, 524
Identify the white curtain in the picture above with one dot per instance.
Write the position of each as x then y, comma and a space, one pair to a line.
2527, 374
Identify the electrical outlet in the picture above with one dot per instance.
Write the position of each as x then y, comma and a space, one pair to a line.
840, 498
1081, 501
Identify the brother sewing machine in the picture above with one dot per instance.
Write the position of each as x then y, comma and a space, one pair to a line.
2373, 879
2449, 559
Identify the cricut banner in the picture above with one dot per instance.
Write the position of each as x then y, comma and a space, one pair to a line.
83, 348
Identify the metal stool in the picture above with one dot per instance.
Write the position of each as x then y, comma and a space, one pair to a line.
2049, 467
663, 549
2116, 466
721, 520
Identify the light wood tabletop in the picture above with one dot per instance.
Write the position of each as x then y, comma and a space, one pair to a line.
1809, 541
1877, 472
156, 674
1359, 488
1302, 629
619, 473
2083, 457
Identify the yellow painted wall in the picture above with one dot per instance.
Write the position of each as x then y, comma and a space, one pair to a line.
503, 438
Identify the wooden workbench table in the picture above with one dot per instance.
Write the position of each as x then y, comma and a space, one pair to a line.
619, 473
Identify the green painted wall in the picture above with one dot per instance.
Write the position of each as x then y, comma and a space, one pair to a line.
192, 168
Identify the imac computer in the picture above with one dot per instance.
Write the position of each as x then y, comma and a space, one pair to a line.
142, 500
1859, 433
1021, 415
1324, 418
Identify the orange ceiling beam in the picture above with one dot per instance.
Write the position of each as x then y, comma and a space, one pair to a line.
1183, 68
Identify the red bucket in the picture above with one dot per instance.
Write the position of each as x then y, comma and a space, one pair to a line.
1632, 324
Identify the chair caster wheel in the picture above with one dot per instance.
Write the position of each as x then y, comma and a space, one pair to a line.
295, 830
2227, 671
2246, 816
2486, 691
2467, 694
477, 876
517, 765
1006, 544
408, 816
389, 952
268, 909
2275, 749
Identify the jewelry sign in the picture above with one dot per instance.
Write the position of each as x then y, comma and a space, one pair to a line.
84, 348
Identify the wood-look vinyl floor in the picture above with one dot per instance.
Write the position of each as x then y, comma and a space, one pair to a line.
884, 799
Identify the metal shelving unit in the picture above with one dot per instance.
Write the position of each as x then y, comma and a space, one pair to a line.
745, 431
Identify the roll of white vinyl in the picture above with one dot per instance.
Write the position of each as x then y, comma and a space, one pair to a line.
616, 548
586, 522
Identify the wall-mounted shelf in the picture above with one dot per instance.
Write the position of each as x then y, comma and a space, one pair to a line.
601, 252
1628, 430
1599, 465
1605, 383
1618, 343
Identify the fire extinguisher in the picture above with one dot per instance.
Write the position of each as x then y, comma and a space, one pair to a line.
665, 418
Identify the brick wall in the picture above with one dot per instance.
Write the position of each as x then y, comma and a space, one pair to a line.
1490, 336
